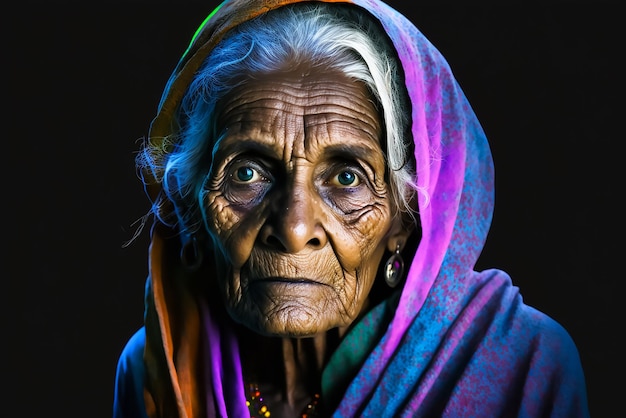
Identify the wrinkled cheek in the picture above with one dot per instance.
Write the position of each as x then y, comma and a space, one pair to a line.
355, 259
371, 234
361, 265
228, 281
375, 223
220, 215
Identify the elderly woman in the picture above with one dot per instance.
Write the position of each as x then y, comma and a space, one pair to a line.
321, 191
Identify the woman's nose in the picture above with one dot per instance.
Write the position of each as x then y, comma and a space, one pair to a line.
294, 223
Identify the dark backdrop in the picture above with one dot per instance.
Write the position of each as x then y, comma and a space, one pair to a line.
84, 80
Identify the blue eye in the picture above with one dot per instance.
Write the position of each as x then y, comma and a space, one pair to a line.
245, 174
346, 178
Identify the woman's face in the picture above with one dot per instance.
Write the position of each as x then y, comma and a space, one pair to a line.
298, 207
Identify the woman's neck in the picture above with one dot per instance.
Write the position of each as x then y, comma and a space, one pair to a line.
286, 371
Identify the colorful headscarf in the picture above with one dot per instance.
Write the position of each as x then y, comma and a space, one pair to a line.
457, 343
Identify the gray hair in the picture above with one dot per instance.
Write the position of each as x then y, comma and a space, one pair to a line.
324, 35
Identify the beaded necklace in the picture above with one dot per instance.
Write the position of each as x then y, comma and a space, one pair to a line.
259, 409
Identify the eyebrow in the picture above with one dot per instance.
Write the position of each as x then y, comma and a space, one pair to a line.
348, 151
247, 145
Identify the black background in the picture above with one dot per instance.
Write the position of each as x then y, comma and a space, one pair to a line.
84, 80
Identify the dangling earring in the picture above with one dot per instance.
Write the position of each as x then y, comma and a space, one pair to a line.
394, 268
190, 255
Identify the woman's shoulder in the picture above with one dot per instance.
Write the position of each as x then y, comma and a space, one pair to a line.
552, 361
547, 336
514, 319
129, 379
133, 350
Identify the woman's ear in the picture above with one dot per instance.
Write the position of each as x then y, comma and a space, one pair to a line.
400, 233
406, 227
191, 252
195, 250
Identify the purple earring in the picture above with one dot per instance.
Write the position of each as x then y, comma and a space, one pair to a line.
394, 268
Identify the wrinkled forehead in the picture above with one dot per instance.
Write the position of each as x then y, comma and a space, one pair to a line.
303, 111
315, 92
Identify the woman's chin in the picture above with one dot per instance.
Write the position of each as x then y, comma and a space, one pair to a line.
287, 322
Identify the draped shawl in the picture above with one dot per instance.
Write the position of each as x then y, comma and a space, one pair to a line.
456, 342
